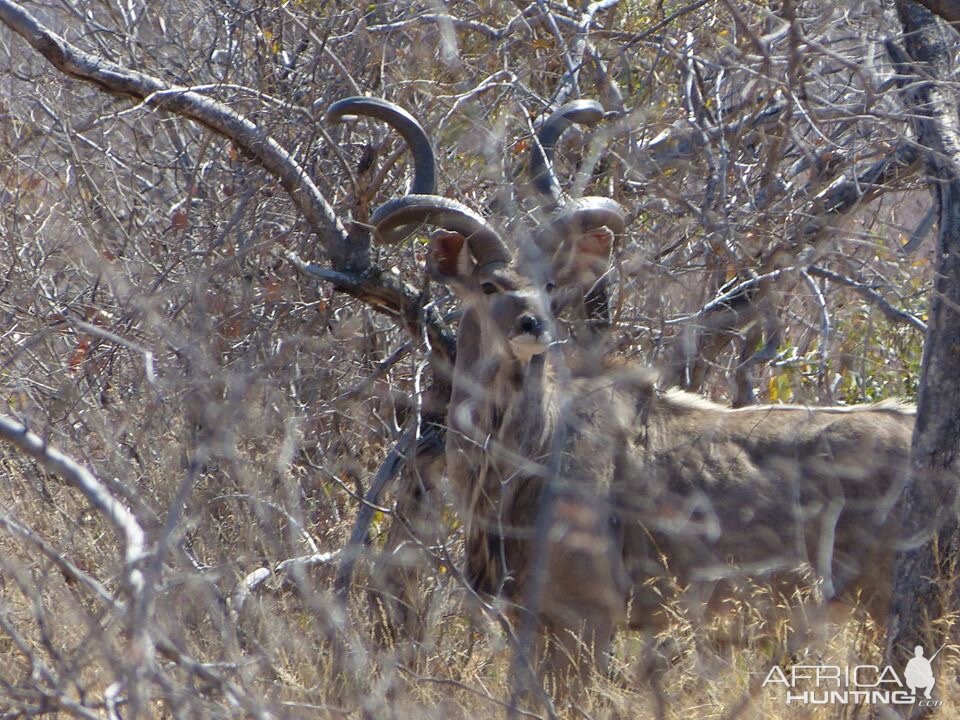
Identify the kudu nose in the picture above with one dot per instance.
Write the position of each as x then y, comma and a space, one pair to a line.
530, 325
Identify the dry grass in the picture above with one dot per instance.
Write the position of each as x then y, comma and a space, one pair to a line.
124, 230
288, 648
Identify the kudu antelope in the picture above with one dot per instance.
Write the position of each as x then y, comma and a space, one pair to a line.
587, 493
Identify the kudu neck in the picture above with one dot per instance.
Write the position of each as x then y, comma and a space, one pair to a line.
514, 392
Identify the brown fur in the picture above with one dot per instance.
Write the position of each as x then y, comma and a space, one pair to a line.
781, 493
646, 490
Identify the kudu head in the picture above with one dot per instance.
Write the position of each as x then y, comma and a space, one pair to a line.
578, 234
508, 292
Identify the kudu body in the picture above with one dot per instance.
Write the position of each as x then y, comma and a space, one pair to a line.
587, 493
651, 490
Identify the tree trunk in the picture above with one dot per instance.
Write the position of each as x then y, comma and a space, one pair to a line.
924, 592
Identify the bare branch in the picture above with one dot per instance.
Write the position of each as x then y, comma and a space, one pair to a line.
949, 10
69, 569
70, 471
388, 295
892, 313
216, 116
411, 446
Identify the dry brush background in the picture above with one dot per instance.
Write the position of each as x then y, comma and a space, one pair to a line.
155, 330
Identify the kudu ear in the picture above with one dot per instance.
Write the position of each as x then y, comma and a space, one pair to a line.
450, 256
595, 243
590, 255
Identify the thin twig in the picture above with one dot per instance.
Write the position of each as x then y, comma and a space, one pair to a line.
892, 313
463, 686
826, 328
70, 471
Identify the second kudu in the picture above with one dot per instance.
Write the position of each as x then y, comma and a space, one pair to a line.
588, 494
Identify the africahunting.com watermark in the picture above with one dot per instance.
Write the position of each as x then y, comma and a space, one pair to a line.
858, 684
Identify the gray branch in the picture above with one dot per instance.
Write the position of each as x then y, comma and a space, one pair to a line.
71, 472
187, 102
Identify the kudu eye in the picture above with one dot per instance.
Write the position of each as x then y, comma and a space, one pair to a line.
489, 288
550, 286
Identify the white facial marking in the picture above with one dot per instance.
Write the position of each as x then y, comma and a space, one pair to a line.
526, 346
528, 293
